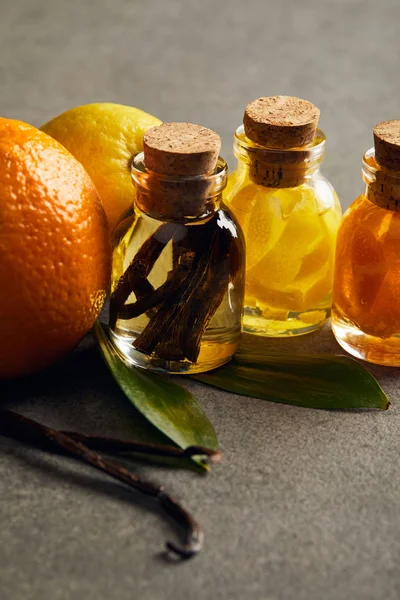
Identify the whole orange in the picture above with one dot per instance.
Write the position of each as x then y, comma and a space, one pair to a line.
54, 250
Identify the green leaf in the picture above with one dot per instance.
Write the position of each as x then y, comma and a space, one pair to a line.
168, 406
313, 381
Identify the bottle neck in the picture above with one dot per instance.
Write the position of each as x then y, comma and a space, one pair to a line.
383, 185
178, 198
278, 168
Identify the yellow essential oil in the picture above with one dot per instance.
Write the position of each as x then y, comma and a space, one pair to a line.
178, 262
289, 214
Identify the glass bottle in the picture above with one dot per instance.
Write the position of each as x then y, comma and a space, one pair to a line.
366, 308
289, 214
178, 260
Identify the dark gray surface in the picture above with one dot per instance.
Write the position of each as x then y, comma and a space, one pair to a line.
306, 504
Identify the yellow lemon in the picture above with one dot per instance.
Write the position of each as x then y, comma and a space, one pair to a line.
104, 137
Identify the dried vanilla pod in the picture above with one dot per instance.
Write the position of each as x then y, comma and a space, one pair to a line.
187, 276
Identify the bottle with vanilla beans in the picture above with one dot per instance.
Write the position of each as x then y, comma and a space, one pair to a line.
289, 214
366, 293
178, 262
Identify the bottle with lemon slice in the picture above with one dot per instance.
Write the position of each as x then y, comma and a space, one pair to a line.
289, 214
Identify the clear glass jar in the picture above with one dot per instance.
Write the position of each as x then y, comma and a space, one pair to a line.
178, 274
289, 214
366, 308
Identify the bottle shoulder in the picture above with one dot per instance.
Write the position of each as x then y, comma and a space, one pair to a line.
227, 220
362, 208
244, 196
138, 224
372, 220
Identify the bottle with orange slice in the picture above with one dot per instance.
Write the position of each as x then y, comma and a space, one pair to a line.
366, 308
289, 214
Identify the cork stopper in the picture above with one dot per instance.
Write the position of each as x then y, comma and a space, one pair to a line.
183, 177
387, 144
281, 122
181, 149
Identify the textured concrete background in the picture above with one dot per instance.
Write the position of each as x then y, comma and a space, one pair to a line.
306, 504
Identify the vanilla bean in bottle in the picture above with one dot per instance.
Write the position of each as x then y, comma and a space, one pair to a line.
178, 261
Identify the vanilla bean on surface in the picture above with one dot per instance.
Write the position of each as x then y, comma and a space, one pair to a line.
116, 446
24, 428
16, 426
